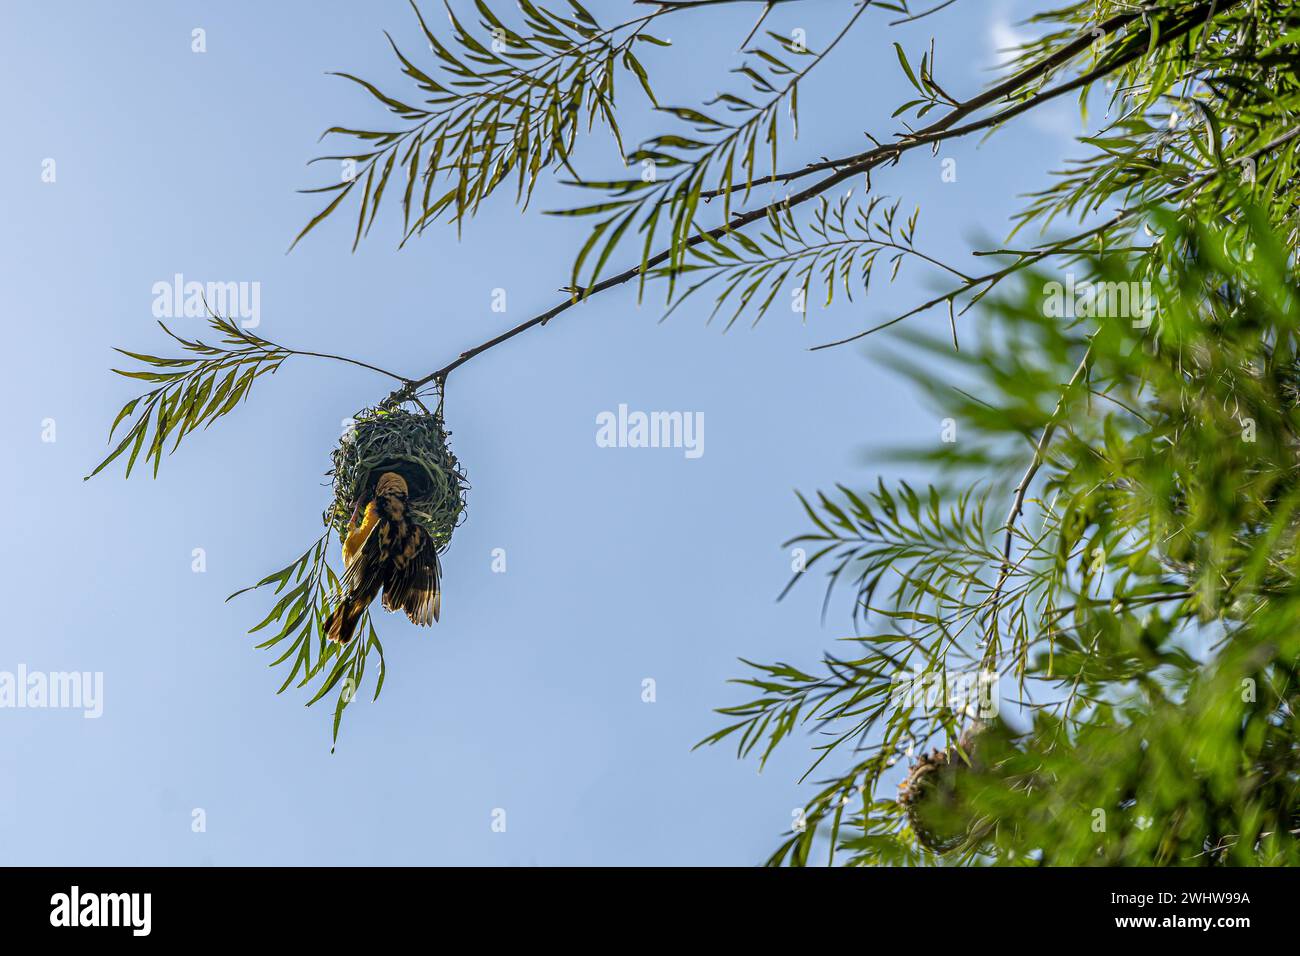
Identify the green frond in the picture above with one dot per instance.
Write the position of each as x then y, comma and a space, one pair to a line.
190, 392
493, 104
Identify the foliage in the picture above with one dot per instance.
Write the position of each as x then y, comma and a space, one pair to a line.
512, 104
300, 613
191, 391
1142, 631
739, 130
838, 249
1143, 570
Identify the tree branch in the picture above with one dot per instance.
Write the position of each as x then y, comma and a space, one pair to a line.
999, 91
1029, 257
864, 162
1022, 489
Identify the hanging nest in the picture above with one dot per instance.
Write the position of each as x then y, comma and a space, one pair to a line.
413, 444
931, 794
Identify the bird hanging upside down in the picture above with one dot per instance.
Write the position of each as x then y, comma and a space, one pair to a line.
391, 552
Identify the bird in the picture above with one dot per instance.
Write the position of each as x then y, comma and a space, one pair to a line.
387, 551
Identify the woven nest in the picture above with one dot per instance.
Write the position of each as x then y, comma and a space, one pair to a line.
413, 444
931, 795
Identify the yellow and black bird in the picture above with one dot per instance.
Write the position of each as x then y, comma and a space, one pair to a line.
389, 551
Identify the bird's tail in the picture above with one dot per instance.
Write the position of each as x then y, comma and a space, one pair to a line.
342, 621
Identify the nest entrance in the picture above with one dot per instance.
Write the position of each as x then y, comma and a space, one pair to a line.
412, 444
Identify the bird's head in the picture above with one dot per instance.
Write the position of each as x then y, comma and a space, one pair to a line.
391, 491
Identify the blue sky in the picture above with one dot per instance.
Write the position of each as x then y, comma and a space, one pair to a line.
622, 564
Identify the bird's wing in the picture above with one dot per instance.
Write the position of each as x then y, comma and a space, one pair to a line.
365, 572
413, 580
357, 537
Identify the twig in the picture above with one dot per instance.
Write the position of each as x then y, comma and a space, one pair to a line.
862, 163
942, 128
1022, 489
757, 23
1027, 258
258, 342
924, 13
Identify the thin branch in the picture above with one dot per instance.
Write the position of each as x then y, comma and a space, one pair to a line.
439, 376
1005, 89
924, 13
1027, 258
863, 163
259, 342
343, 358
757, 23
692, 4
1022, 489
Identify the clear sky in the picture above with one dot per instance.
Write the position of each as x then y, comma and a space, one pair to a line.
622, 564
